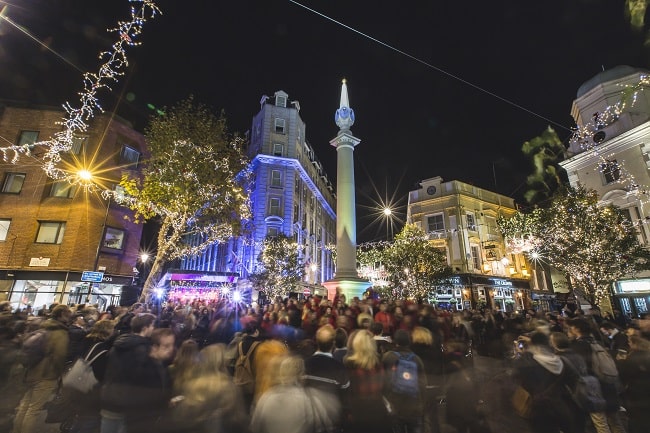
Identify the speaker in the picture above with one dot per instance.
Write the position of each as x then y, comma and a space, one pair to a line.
129, 295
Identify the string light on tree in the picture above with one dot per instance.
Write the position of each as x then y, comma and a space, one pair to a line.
75, 122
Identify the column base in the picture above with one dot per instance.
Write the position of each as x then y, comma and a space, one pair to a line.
350, 287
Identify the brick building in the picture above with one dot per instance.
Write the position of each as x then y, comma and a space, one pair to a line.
52, 231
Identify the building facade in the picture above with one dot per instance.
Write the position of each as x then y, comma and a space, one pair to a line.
52, 231
611, 155
461, 219
291, 195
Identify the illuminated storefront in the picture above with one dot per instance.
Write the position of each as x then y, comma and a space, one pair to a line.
633, 296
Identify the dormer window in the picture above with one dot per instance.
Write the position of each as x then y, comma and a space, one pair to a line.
281, 101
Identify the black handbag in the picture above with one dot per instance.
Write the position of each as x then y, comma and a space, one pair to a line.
60, 408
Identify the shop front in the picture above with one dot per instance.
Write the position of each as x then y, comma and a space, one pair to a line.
36, 290
471, 291
632, 296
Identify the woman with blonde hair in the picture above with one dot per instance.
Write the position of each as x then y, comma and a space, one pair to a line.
366, 410
288, 406
268, 356
185, 363
209, 402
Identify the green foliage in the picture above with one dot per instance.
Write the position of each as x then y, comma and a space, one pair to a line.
191, 180
591, 243
414, 264
545, 152
281, 268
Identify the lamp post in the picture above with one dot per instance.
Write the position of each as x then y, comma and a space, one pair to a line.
388, 214
86, 179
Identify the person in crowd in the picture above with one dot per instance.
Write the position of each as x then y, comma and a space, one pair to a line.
127, 361
366, 409
634, 371
406, 395
209, 402
87, 406
154, 388
615, 339
268, 356
41, 379
324, 372
183, 368
463, 396
289, 407
580, 331
123, 325
340, 344
430, 352
543, 374
77, 335
561, 345
386, 319
384, 342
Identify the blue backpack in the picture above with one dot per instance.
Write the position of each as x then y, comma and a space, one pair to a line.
405, 375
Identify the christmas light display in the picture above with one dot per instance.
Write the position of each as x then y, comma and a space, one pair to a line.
75, 122
583, 137
592, 244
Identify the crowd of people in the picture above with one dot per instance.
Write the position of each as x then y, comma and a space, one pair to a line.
315, 365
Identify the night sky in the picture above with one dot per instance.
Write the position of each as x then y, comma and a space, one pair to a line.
439, 88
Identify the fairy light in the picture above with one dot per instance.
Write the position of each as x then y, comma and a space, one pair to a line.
607, 163
75, 122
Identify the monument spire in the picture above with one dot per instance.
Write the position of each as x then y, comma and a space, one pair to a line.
346, 278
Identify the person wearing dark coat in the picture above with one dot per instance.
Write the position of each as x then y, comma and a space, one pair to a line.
543, 374
123, 391
634, 371
96, 345
580, 331
77, 335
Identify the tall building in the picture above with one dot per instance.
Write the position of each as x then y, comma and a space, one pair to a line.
611, 155
52, 231
461, 219
291, 195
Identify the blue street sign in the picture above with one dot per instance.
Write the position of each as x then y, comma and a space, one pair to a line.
92, 276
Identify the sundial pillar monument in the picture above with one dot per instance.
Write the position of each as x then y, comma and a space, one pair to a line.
346, 279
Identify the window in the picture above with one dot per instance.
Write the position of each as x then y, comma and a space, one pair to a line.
471, 221
4, 228
13, 183
274, 206
476, 256
277, 149
113, 238
611, 171
50, 232
130, 156
273, 232
27, 138
78, 144
276, 178
435, 223
63, 189
279, 126
281, 101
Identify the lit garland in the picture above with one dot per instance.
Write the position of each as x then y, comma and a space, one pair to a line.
594, 245
583, 137
75, 121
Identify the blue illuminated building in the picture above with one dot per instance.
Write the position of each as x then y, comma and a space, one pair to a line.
290, 195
